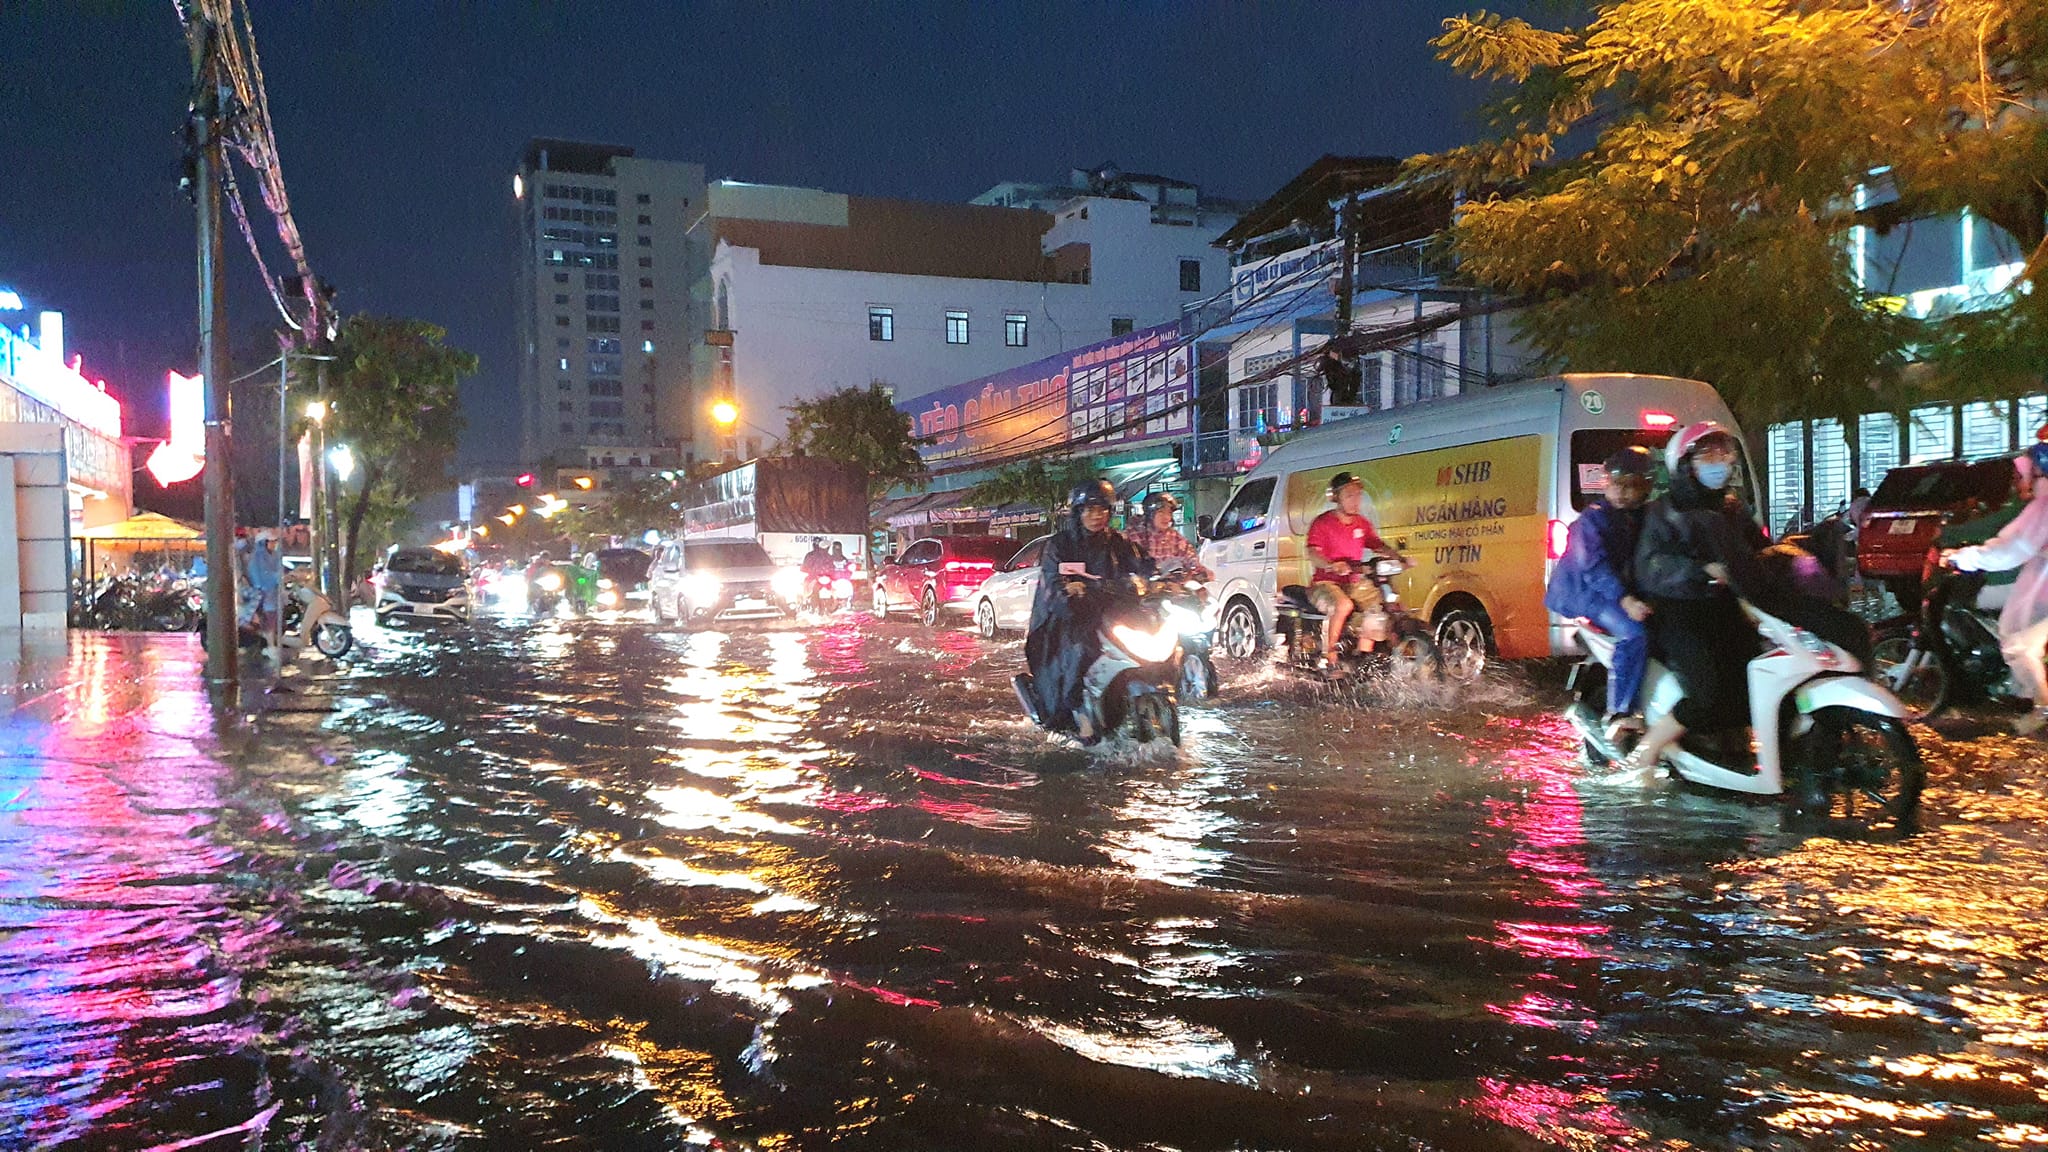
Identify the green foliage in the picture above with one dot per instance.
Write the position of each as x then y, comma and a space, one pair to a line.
392, 399
1038, 483
626, 512
862, 427
1700, 223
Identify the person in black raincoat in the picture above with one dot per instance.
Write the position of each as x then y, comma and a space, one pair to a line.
1066, 618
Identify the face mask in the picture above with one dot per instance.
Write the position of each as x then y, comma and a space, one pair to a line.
1713, 475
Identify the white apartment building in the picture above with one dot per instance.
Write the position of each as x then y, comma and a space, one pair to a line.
811, 291
603, 286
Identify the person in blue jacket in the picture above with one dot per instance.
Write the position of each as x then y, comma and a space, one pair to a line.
1594, 578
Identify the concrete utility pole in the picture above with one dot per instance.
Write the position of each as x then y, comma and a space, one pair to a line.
209, 102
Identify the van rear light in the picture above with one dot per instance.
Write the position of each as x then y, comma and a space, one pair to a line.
1555, 538
1659, 420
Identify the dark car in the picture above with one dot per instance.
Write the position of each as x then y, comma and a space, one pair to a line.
939, 575
719, 580
1912, 506
626, 568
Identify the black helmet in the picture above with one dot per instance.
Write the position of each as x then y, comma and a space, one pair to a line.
1632, 461
1341, 481
1158, 500
1094, 493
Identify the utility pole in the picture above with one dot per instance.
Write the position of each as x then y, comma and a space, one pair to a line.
284, 382
209, 102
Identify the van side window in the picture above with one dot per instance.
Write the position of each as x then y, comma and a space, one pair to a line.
1247, 509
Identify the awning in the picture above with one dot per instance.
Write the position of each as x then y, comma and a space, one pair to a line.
149, 526
890, 507
950, 508
1016, 516
1143, 480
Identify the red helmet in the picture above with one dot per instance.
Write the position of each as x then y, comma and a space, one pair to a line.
1681, 445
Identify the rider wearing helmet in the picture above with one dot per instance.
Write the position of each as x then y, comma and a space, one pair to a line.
817, 562
1065, 634
2023, 624
1595, 578
1698, 547
1339, 543
1163, 543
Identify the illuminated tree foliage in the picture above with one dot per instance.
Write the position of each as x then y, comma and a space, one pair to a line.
1675, 184
862, 427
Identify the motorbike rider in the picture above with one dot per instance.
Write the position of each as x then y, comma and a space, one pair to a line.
1158, 539
1595, 578
817, 562
2023, 624
1065, 634
1339, 541
1698, 545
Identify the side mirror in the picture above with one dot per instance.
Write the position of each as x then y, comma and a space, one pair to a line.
1205, 527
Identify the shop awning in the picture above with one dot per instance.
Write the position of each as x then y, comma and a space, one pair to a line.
149, 526
894, 505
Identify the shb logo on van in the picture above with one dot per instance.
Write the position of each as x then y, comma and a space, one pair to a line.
1592, 402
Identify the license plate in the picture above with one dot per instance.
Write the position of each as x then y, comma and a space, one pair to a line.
747, 602
1904, 527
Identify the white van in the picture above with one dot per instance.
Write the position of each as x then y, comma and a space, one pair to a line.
1477, 490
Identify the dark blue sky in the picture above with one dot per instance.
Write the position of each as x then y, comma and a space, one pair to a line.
400, 121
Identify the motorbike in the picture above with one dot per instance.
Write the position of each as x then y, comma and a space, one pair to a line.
1131, 686
828, 592
1944, 652
1185, 606
547, 585
309, 619
1820, 728
1388, 640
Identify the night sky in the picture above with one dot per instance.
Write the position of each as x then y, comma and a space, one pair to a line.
400, 122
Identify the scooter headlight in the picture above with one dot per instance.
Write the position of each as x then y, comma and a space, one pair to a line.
607, 599
604, 582
787, 583
550, 581
1150, 646
1183, 621
842, 588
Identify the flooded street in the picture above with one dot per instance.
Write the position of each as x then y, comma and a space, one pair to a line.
597, 885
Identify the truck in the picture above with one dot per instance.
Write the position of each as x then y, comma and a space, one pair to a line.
783, 504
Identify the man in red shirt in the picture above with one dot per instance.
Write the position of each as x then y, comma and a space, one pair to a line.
1339, 541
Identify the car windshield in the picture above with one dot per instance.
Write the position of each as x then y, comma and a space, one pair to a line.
423, 562
723, 554
1938, 486
993, 551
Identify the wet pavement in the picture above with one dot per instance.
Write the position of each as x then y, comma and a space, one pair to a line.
590, 884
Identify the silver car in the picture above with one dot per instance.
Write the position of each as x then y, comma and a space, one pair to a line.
720, 580
1004, 599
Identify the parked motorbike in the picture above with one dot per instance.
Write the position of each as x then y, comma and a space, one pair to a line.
1945, 650
134, 604
310, 619
1388, 640
1131, 685
1820, 728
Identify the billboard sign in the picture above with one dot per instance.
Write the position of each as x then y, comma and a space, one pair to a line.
1123, 390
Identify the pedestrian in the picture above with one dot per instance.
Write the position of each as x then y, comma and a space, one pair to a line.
2023, 625
266, 573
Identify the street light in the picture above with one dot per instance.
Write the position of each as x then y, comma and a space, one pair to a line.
316, 411
344, 461
724, 414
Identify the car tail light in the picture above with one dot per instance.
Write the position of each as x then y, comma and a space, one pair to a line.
1659, 420
1558, 534
968, 566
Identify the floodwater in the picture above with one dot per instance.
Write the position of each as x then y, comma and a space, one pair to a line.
594, 885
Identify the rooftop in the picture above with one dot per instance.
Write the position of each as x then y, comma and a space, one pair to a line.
544, 153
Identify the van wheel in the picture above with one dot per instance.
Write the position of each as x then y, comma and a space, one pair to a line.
1464, 642
1239, 633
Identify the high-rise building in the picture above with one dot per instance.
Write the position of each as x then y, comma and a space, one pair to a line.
603, 293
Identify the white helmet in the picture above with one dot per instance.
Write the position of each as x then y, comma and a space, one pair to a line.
1684, 442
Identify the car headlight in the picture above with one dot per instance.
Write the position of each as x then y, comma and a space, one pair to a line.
788, 583
1150, 647
607, 599
550, 581
701, 588
604, 582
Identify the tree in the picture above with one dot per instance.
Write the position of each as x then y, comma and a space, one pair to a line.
862, 427
1034, 482
1724, 151
629, 510
392, 400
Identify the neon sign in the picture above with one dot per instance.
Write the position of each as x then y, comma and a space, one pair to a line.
182, 456
38, 370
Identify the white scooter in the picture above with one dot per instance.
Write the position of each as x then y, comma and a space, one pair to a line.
318, 624
1131, 684
1819, 727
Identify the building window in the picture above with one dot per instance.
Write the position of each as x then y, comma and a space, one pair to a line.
610, 408
597, 303
600, 323
604, 345
566, 406
1121, 325
564, 365
563, 385
1419, 372
1191, 275
567, 427
647, 325
1016, 331
561, 321
956, 327
561, 277
647, 281
645, 242
647, 261
604, 365
645, 219
646, 305
881, 324
561, 299
1258, 408
647, 346
642, 198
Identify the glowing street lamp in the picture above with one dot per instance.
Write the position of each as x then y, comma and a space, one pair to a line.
343, 460
316, 411
724, 414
